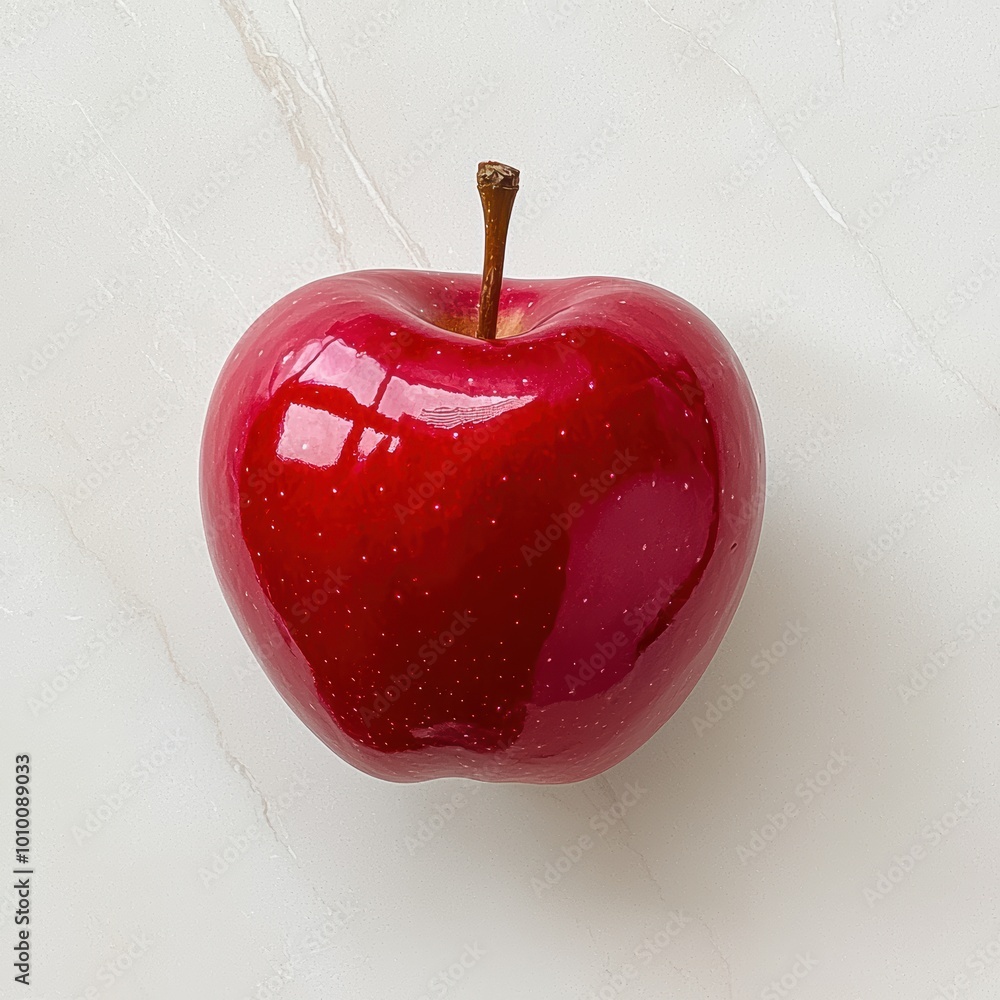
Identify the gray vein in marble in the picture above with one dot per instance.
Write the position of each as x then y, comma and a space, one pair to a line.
817, 192
722, 957
835, 10
625, 842
237, 765
159, 369
964, 114
604, 782
325, 98
917, 339
153, 616
156, 212
836, 216
942, 363
666, 20
128, 10
554, 796
280, 80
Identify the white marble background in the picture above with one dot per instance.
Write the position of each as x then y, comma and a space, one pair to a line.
821, 179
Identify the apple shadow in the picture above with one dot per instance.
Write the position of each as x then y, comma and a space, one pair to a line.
688, 797
691, 800
808, 668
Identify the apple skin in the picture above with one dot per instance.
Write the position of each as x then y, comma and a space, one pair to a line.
508, 560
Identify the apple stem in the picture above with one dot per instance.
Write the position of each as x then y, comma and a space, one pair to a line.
497, 185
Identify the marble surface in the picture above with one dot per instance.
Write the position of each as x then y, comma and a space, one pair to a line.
819, 819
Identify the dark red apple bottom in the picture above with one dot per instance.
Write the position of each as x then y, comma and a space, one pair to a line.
508, 560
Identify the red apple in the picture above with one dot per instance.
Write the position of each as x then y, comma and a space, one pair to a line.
496, 539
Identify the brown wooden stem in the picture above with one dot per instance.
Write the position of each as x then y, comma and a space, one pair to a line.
497, 189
